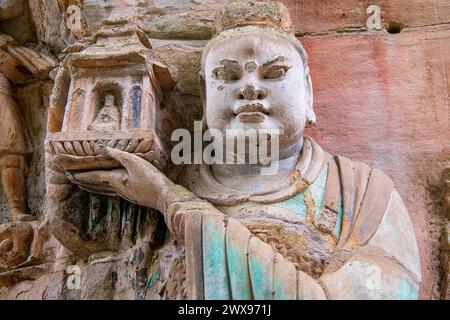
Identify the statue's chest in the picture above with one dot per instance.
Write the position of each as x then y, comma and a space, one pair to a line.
294, 227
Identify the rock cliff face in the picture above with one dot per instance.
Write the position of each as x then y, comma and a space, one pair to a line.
381, 96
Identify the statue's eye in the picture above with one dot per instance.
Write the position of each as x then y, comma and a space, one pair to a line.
275, 72
227, 74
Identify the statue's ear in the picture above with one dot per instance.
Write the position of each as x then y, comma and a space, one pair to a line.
202, 85
310, 115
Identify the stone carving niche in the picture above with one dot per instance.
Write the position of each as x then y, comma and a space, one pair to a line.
109, 90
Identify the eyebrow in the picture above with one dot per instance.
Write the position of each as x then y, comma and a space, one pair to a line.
273, 60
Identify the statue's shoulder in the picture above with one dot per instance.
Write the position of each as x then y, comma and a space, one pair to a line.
363, 181
365, 193
376, 215
370, 200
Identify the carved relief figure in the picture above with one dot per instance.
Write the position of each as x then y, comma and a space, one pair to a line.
14, 146
107, 118
26, 251
109, 91
322, 227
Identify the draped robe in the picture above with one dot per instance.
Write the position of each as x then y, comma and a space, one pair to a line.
374, 254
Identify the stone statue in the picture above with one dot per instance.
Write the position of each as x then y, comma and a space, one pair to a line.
322, 227
107, 118
26, 251
14, 146
109, 90
15, 237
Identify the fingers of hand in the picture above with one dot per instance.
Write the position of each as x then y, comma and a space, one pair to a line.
66, 162
103, 182
130, 161
90, 177
94, 181
104, 190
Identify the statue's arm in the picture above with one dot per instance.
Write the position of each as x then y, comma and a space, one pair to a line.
386, 267
224, 260
238, 265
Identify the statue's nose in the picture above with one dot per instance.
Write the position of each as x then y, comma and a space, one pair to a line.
251, 92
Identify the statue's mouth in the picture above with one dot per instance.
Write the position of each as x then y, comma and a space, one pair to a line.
249, 113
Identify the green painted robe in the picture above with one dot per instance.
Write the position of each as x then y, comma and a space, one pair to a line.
369, 247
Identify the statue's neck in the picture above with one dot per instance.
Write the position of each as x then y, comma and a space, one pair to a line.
257, 178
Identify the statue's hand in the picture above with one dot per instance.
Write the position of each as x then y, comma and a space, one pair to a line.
139, 182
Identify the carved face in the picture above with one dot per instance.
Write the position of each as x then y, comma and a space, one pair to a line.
256, 81
108, 115
107, 118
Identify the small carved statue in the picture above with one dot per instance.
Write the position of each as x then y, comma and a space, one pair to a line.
14, 146
107, 118
322, 227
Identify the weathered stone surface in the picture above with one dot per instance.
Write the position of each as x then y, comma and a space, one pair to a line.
34, 97
47, 20
340, 285
195, 19
10, 9
384, 99
15, 20
236, 14
30, 290
159, 19
446, 238
311, 18
27, 252
446, 193
15, 240
184, 65
193, 23
397, 244
446, 264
